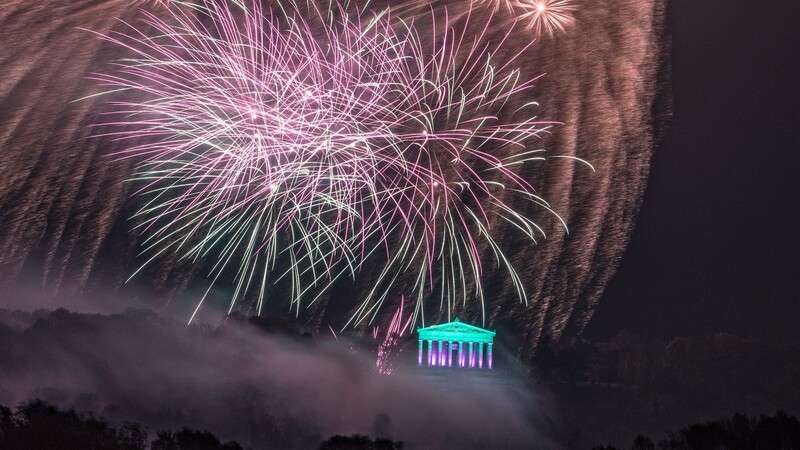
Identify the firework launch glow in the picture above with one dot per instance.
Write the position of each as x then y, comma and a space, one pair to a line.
389, 346
319, 138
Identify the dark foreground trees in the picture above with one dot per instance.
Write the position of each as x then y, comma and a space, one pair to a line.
740, 432
187, 439
37, 425
359, 442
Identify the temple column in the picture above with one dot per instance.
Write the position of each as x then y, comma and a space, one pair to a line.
490, 356
419, 354
460, 354
480, 355
450, 354
471, 354
430, 351
440, 355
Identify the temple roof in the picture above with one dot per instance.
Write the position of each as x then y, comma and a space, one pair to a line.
456, 331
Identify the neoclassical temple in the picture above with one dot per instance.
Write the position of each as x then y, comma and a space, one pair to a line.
471, 346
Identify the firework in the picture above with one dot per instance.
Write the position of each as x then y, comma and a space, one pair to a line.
542, 16
262, 139
300, 144
462, 179
546, 16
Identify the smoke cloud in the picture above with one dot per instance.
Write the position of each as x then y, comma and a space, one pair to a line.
265, 390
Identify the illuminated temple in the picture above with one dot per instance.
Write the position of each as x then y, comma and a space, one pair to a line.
470, 346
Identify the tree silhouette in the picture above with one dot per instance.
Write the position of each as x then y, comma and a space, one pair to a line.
359, 442
643, 443
187, 439
740, 432
37, 425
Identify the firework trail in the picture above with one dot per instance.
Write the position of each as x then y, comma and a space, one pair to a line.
269, 140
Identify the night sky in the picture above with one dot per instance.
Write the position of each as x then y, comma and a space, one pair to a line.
699, 321
716, 246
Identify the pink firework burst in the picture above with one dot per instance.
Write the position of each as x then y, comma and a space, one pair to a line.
546, 16
304, 143
266, 134
542, 16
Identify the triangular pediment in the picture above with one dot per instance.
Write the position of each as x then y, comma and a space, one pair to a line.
456, 330
457, 327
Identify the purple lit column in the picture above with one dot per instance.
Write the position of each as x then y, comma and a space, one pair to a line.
419, 355
440, 355
471, 354
450, 354
490, 356
430, 351
480, 355
460, 354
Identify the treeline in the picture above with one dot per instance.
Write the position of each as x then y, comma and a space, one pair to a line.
37, 425
740, 432
359, 442
614, 389
690, 361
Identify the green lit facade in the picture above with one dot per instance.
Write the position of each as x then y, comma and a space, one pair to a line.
470, 346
